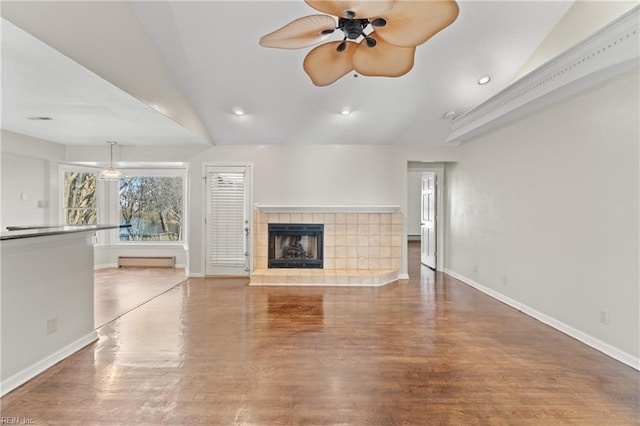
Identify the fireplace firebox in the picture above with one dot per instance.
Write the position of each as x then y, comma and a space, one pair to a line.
295, 245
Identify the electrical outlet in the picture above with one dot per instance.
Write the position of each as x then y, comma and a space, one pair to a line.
604, 317
52, 325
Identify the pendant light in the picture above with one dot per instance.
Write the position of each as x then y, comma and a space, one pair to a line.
110, 173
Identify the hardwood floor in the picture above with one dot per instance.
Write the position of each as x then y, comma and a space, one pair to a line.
119, 290
429, 350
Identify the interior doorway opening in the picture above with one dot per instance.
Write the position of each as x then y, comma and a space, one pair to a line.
429, 234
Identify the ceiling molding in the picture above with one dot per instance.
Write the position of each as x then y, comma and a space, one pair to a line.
608, 52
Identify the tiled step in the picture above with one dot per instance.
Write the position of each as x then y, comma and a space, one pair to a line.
324, 277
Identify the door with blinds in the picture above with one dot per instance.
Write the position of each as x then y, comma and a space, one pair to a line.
227, 223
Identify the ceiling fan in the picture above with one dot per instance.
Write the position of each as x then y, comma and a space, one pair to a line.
380, 36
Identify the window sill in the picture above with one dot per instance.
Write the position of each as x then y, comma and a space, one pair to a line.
143, 245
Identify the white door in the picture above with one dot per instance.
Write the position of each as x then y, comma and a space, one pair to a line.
227, 222
428, 220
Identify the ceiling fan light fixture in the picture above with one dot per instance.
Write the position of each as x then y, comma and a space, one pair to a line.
238, 111
345, 111
380, 36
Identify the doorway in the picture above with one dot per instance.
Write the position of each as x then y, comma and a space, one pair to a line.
228, 220
434, 226
428, 220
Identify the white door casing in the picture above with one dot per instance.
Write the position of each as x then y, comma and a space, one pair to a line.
228, 220
428, 220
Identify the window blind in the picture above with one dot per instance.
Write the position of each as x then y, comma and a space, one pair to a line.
226, 227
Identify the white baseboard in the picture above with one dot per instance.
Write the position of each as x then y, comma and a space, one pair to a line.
403, 276
195, 275
115, 265
605, 348
30, 372
105, 266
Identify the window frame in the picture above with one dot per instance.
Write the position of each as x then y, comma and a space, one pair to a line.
62, 210
150, 171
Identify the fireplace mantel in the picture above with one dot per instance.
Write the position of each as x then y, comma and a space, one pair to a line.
263, 208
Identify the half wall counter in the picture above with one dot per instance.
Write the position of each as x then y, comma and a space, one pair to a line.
46, 297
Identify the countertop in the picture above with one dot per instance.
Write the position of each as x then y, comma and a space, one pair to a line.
41, 231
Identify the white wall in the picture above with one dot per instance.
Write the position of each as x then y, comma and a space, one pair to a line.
544, 213
318, 175
414, 194
22, 193
329, 175
27, 166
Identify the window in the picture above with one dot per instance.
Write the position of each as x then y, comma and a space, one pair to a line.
153, 206
80, 198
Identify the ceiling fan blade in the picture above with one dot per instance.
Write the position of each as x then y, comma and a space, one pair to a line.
324, 64
361, 8
302, 32
383, 60
412, 22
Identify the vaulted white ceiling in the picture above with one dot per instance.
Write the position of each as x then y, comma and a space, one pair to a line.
210, 51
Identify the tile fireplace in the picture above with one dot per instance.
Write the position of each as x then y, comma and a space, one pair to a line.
358, 246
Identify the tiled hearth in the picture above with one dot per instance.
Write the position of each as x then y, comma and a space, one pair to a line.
362, 246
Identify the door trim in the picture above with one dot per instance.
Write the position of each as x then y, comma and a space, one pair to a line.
423, 222
203, 209
439, 169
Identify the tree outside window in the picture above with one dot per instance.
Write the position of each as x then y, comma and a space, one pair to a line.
153, 206
80, 198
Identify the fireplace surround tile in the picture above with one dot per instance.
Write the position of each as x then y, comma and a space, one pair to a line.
358, 246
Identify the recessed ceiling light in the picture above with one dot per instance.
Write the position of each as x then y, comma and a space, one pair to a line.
238, 111
345, 111
449, 114
485, 79
40, 118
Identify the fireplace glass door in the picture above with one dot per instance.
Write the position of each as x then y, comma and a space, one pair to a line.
295, 245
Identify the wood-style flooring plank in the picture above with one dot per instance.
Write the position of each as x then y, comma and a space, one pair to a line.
119, 290
427, 351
